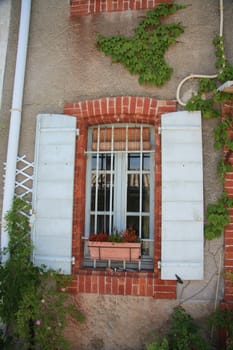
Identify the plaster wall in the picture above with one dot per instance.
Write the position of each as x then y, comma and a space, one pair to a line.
5, 6
64, 66
126, 323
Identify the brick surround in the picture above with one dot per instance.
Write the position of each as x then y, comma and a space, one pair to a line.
85, 7
227, 303
121, 109
227, 110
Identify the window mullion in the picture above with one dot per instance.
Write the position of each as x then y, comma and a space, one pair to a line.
111, 180
97, 179
126, 171
140, 182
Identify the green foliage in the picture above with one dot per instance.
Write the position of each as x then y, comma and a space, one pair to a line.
18, 270
220, 96
200, 101
222, 139
217, 214
224, 319
226, 70
143, 53
221, 134
206, 85
206, 106
223, 168
157, 345
217, 217
33, 300
184, 333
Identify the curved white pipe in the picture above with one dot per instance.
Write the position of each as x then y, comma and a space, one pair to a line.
16, 111
191, 76
198, 76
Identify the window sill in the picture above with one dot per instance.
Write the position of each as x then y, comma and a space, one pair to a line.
146, 264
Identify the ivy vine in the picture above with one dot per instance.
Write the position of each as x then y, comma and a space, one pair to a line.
217, 216
143, 53
207, 100
208, 97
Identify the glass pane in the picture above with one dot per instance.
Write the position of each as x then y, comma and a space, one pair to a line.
133, 193
133, 161
93, 162
133, 221
146, 248
93, 185
102, 224
145, 192
104, 162
104, 191
92, 224
145, 161
145, 227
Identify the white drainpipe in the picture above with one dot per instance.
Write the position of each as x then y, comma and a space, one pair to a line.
16, 111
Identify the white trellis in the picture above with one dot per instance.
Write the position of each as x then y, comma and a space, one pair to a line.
23, 178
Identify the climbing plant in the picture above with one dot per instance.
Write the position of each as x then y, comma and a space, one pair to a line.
208, 97
207, 101
222, 139
34, 306
144, 52
217, 217
217, 214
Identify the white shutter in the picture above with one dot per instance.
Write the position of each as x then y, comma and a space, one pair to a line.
182, 196
53, 191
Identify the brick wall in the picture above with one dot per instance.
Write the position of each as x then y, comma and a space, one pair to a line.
84, 7
227, 110
123, 283
123, 109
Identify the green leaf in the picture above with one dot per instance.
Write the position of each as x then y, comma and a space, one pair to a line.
143, 54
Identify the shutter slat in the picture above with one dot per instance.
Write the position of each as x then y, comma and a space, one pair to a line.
182, 196
53, 191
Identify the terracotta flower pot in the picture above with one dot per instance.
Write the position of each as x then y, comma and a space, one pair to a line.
123, 251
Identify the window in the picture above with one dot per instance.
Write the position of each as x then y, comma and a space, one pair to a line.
120, 180
119, 190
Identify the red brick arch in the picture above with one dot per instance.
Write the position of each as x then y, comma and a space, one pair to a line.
120, 108
81, 7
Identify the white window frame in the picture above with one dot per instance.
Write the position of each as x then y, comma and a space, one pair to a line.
121, 167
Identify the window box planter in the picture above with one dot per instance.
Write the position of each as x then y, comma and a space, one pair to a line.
123, 251
123, 246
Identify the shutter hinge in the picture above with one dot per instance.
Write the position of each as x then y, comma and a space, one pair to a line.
73, 260
77, 132
159, 130
159, 265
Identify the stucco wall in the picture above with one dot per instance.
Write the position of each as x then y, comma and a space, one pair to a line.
5, 7
126, 323
64, 66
